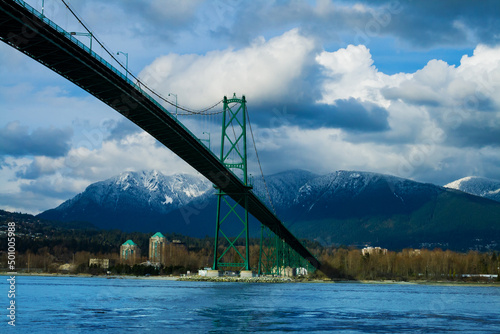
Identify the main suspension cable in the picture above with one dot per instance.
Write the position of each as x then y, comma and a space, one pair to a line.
258, 161
139, 82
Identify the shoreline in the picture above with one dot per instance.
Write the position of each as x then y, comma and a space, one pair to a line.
265, 279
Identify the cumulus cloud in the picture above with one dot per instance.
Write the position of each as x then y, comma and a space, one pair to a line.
349, 73
284, 72
135, 152
461, 100
441, 119
407, 119
265, 71
39, 166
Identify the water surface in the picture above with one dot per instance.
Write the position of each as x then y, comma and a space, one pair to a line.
83, 305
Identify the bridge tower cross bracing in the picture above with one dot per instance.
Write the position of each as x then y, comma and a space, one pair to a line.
228, 251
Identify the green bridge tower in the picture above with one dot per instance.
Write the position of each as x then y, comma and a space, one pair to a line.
231, 234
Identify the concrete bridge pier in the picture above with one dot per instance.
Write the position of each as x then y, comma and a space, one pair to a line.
246, 274
214, 273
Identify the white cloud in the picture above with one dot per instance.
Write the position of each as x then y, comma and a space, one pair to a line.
350, 73
477, 78
135, 152
321, 151
264, 71
419, 144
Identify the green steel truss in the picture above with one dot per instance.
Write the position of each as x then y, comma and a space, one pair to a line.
268, 257
277, 258
233, 251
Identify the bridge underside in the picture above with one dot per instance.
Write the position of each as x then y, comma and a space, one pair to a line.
26, 30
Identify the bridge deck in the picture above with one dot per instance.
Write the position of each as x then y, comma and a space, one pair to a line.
28, 31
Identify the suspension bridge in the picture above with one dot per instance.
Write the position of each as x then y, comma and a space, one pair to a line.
31, 32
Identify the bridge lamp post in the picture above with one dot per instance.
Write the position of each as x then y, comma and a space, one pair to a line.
175, 102
207, 140
88, 34
126, 62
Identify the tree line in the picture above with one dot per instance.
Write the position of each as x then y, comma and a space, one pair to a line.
409, 264
346, 263
43, 246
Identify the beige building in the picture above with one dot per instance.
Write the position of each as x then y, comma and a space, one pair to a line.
101, 263
373, 250
415, 252
130, 252
157, 248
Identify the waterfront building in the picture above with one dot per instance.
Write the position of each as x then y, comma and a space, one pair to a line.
415, 252
130, 252
101, 263
157, 248
373, 250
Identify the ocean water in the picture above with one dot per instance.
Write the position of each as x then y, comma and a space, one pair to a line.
101, 305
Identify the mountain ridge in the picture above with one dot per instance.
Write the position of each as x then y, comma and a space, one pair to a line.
479, 186
343, 207
151, 192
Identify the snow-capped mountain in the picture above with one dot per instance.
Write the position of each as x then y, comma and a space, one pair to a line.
352, 184
149, 189
344, 207
343, 193
111, 203
283, 187
478, 186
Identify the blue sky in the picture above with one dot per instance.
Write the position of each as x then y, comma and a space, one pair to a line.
398, 87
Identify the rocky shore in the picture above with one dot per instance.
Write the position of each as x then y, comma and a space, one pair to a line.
263, 279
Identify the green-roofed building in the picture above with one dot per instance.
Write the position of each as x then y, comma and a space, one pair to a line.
130, 252
157, 248
129, 242
159, 235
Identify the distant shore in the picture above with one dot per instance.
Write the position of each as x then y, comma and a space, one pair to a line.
164, 278
196, 278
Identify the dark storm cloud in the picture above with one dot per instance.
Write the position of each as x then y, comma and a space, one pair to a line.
421, 24
475, 133
32, 172
31, 202
251, 19
44, 189
350, 115
444, 22
159, 19
16, 140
